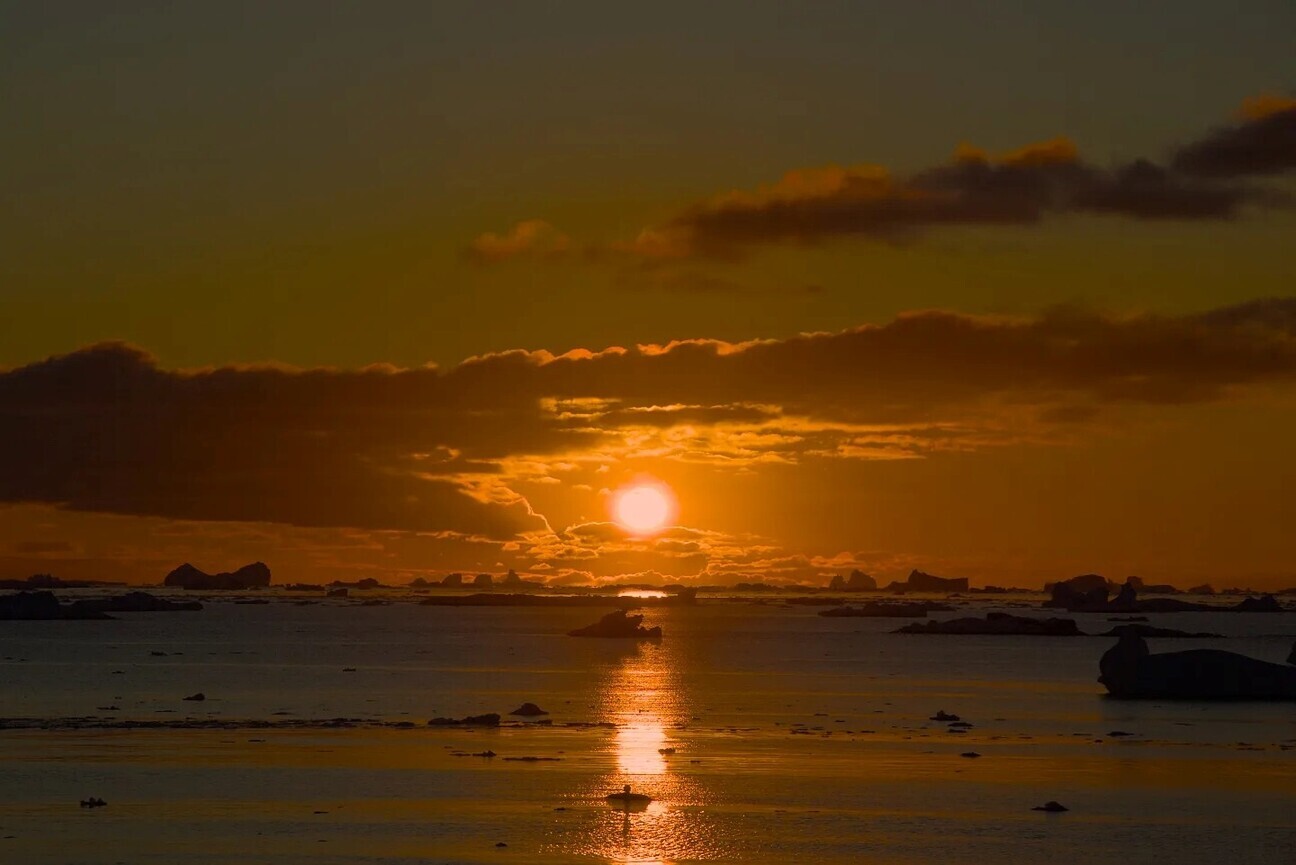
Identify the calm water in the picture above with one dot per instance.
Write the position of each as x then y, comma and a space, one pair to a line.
797, 739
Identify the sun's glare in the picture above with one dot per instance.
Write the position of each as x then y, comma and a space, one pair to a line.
643, 508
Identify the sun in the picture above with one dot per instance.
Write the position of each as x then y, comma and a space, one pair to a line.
643, 508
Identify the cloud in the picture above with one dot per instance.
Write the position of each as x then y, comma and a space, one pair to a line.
104, 429
1202, 181
426, 450
1261, 142
1019, 188
532, 238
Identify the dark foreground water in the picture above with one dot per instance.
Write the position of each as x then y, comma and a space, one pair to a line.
796, 739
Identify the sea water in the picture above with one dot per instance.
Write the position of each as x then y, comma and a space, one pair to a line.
763, 732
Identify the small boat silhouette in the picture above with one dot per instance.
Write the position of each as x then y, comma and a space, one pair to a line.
629, 801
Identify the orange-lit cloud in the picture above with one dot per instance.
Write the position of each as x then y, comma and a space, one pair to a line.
1019, 188
1265, 105
530, 238
464, 450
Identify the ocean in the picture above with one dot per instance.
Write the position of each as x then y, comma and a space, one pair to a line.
763, 732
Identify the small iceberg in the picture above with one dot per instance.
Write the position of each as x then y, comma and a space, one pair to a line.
629, 801
618, 625
1130, 671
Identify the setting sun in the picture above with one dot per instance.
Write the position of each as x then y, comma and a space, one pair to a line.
644, 508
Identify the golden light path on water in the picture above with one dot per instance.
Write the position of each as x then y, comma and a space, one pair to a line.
644, 695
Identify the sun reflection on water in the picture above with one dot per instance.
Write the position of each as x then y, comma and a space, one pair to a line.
638, 748
644, 695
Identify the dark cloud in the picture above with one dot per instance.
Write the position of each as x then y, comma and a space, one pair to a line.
971, 190
106, 429
1202, 181
1263, 143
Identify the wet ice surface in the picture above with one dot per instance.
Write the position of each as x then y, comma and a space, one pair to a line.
795, 737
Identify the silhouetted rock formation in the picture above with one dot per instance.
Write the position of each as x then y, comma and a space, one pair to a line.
366, 583
34, 606
1159, 589
998, 624
482, 581
857, 582
1065, 595
511, 579
1203, 589
860, 582
1125, 598
1265, 604
617, 624
922, 582
683, 597
44, 606
1085, 590
1130, 671
338, 593
491, 719
141, 602
1150, 631
875, 610
195, 698
452, 581
529, 710
253, 576
1087, 584
1052, 807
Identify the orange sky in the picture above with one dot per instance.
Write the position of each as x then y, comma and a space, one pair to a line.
402, 295
1007, 449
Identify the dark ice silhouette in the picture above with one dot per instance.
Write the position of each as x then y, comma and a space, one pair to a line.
1130, 671
857, 582
920, 581
877, 610
253, 576
490, 719
617, 624
1153, 631
45, 606
628, 800
998, 624
1088, 593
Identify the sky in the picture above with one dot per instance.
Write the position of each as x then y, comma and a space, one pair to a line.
400, 289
